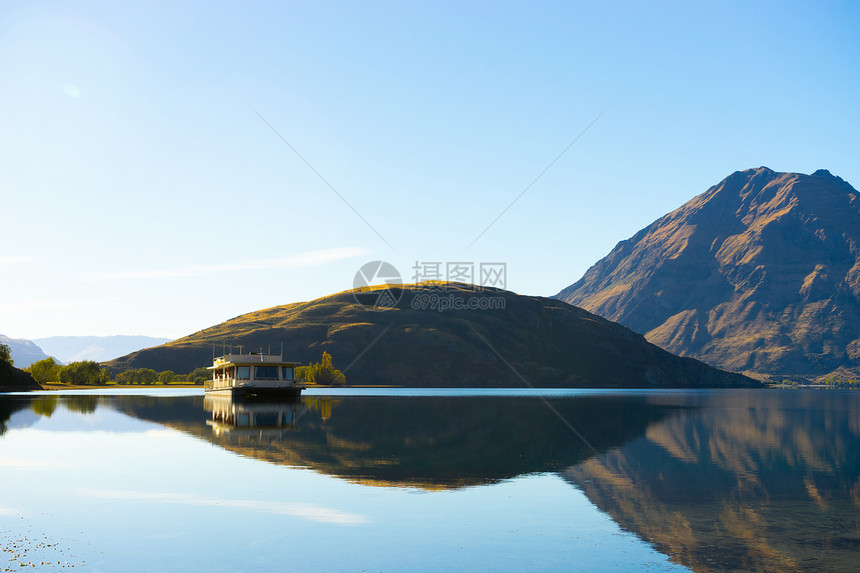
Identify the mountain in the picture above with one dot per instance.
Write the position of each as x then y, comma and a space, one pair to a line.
760, 274
97, 348
515, 342
24, 352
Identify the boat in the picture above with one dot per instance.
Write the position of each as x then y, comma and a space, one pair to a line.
253, 374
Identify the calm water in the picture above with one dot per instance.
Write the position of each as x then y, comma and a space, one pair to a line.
404, 481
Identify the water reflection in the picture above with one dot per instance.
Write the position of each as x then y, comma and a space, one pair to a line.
719, 481
751, 481
431, 442
254, 419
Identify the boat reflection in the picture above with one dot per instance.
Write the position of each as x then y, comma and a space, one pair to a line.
252, 418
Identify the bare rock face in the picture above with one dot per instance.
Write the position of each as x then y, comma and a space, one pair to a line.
759, 274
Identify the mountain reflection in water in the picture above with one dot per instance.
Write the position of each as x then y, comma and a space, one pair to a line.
717, 480
749, 481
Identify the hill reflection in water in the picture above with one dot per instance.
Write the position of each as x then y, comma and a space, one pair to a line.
429, 442
718, 480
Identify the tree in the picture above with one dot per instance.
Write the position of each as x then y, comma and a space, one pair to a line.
198, 375
304, 374
46, 370
81, 373
323, 373
139, 376
166, 377
6, 355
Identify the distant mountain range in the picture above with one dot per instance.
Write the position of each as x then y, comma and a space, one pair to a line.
67, 349
528, 341
24, 352
760, 274
97, 348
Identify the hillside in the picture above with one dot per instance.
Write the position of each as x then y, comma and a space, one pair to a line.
549, 343
24, 352
14, 379
97, 348
760, 274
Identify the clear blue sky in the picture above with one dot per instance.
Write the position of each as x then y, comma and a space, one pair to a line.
142, 193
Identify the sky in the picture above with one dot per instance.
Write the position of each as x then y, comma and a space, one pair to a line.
166, 166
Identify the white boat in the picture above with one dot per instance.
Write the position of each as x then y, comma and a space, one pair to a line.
254, 373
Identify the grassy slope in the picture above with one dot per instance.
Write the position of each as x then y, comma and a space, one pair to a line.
548, 342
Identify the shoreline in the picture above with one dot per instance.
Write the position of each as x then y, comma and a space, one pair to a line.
114, 386
52, 387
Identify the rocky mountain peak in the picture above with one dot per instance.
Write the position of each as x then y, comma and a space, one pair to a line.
761, 273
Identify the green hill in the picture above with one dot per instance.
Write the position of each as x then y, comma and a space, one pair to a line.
528, 341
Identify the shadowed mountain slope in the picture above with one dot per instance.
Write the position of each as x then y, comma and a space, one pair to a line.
15, 380
760, 274
515, 341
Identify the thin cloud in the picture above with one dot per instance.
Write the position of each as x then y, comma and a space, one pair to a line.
309, 511
22, 463
301, 260
24, 307
8, 260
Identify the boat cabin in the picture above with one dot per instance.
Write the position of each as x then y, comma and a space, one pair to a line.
253, 373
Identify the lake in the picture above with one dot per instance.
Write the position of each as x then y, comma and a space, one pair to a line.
436, 480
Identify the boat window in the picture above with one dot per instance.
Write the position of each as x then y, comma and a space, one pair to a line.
265, 419
243, 372
266, 372
288, 372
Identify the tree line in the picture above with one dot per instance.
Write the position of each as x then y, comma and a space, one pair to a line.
89, 373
